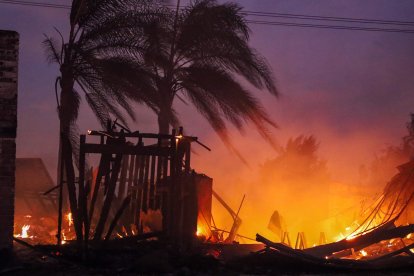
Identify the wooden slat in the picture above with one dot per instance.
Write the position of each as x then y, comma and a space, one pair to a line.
151, 196
145, 185
135, 192
122, 177
127, 149
139, 191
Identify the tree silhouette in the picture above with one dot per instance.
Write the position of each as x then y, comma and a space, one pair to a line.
298, 182
385, 164
96, 60
199, 55
297, 163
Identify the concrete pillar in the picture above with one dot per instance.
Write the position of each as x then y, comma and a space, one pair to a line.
9, 43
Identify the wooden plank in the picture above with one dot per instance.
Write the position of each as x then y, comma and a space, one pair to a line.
135, 134
117, 216
151, 196
102, 171
82, 197
187, 166
122, 177
135, 192
127, 149
384, 232
145, 184
109, 197
139, 191
131, 172
159, 180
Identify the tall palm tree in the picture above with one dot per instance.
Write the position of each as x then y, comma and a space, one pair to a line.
199, 54
95, 60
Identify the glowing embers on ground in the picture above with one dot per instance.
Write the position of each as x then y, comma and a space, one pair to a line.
386, 248
43, 230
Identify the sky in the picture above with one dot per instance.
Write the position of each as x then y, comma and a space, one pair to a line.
352, 90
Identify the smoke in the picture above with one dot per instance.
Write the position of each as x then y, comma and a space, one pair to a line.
311, 200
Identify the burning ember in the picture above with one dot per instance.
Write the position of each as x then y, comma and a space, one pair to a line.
43, 230
69, 219
200, 231
24, 233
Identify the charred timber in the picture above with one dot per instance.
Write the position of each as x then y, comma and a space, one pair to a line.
385, 232
127, 149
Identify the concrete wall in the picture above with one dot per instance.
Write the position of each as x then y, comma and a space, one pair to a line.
9, 43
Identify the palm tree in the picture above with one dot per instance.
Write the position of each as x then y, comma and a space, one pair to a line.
199, 54
96, 60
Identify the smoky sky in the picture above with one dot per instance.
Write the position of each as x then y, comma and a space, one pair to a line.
341, 86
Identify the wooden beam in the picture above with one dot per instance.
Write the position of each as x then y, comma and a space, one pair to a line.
127, 149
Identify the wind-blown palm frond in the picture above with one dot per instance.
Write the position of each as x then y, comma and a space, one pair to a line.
222, 42
96, 59
232, 101
53, 54
201, 54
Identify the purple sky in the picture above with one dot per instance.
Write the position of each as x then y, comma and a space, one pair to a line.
352, 89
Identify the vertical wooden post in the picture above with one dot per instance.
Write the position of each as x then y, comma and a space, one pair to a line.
60, 183
145, 184
171, 197
83, 211
135, 212
152, 183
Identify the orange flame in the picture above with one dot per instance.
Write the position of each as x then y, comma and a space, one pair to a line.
70, 219
24, 232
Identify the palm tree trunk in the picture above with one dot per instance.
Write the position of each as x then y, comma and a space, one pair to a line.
163, 122
70, 182
67, 158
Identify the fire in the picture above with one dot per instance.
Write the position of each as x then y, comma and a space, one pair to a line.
349, 238
200, 231
64, 238
70, 219
364, 253
24, 232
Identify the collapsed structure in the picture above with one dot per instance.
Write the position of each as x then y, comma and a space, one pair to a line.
384, 233
143, 184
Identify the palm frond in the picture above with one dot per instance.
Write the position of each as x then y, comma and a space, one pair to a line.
51, 49
208, 109
74, 141
227, 98
98, 107
218, 34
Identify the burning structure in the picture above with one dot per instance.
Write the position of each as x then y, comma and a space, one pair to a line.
138, 188
144, 188
382, 235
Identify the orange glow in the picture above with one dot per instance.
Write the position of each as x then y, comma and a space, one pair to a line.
63, 238
305, 204
350, 238
200, 231
25, 230
69, 219
24, 233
